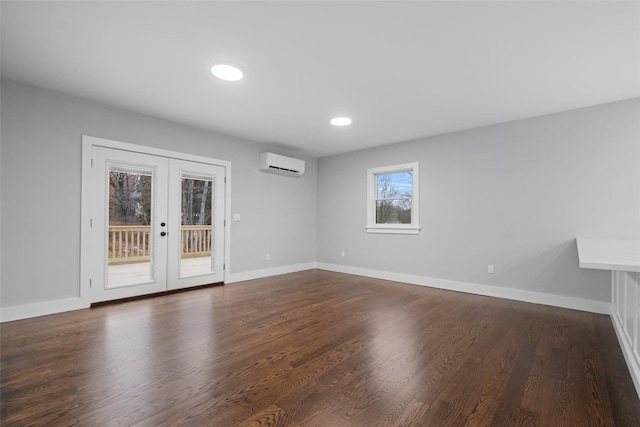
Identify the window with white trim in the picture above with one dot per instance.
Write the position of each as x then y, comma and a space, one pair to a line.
392, 199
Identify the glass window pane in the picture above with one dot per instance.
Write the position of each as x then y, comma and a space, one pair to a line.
196, 257
394, 185
395, 211
129, 237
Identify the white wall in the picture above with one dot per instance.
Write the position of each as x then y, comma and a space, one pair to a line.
514, 195
40, 174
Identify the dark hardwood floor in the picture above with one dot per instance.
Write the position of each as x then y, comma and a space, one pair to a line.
316, 348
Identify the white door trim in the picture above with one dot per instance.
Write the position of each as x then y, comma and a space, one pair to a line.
88, 142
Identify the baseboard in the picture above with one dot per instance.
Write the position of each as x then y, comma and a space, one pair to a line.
8, 314
18, 312
258, 274
633, 363
591, 306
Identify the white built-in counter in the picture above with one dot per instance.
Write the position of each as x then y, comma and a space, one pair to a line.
622, 257
609, 254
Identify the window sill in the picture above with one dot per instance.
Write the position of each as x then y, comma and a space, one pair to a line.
389, 229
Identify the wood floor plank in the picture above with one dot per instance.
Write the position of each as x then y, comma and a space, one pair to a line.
315, 348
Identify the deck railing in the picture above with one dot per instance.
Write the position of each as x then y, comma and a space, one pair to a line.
131, 243
195, 240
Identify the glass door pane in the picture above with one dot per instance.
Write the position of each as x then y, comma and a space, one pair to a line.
129, 237
196, 256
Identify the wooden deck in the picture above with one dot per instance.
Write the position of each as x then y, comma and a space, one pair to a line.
120, 274
316, 348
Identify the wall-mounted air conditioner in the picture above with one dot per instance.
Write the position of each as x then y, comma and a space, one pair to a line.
275, 163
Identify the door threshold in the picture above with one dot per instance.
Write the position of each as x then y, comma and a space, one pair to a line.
153, 295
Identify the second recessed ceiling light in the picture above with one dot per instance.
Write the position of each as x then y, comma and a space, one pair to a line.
341, 121
227, 72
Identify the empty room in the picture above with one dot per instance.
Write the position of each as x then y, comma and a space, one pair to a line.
320, 213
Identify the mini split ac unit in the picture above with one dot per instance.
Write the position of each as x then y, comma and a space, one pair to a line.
275, 163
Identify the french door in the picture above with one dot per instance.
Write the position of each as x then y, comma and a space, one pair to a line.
157, 223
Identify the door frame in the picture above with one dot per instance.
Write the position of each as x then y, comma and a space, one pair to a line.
86, 256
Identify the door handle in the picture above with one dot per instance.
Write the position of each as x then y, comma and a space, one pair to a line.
163, 233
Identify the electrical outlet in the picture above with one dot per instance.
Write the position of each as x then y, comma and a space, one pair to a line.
490, 269
342, 254
268, 257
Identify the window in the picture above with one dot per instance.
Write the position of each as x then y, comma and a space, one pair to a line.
392, 199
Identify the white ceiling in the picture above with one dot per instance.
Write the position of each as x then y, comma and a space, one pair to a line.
401, 70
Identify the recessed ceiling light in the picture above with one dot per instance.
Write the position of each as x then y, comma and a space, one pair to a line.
341, 121
227, 72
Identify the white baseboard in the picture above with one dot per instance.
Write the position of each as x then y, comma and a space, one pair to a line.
8, 314
258, 274
592, 306
627, 351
